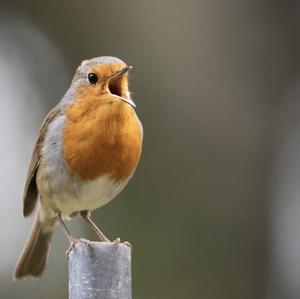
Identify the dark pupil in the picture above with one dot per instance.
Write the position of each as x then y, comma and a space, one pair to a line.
92, 78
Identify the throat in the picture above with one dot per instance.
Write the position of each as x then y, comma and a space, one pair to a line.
103, 146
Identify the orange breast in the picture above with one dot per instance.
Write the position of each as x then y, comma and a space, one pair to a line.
101, 139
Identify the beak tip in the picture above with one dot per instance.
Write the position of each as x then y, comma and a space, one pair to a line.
132, 103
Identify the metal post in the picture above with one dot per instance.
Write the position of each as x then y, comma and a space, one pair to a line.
100, 270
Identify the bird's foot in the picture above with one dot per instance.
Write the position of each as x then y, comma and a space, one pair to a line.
74, 241
118, 241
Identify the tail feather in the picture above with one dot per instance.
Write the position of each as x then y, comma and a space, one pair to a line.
34, 256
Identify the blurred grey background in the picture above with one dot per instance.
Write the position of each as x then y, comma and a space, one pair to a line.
213, 209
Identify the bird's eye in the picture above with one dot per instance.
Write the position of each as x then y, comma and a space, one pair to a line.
93, 78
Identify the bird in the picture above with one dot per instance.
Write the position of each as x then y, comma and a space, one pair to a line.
87, 149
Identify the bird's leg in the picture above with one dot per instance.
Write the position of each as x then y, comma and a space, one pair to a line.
89, 221
102, 237
70, 237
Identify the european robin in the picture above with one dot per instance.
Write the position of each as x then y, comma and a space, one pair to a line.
88, 148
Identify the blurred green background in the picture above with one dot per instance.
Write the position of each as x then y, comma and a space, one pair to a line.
210, 80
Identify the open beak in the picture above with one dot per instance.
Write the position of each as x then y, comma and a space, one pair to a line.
115, 85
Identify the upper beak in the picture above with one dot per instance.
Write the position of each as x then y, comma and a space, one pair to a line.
117, 74
121, 72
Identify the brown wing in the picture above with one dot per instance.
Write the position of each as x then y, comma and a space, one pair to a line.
30, 192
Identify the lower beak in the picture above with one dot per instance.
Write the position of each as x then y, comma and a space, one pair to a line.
128, 101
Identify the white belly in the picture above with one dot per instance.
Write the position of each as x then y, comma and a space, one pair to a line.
85, 196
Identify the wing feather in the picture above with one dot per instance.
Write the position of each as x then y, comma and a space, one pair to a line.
30, 191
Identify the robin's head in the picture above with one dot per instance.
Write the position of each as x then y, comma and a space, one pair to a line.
104, 78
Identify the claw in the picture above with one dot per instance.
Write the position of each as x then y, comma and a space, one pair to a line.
74, 241
128, 245
118, 241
